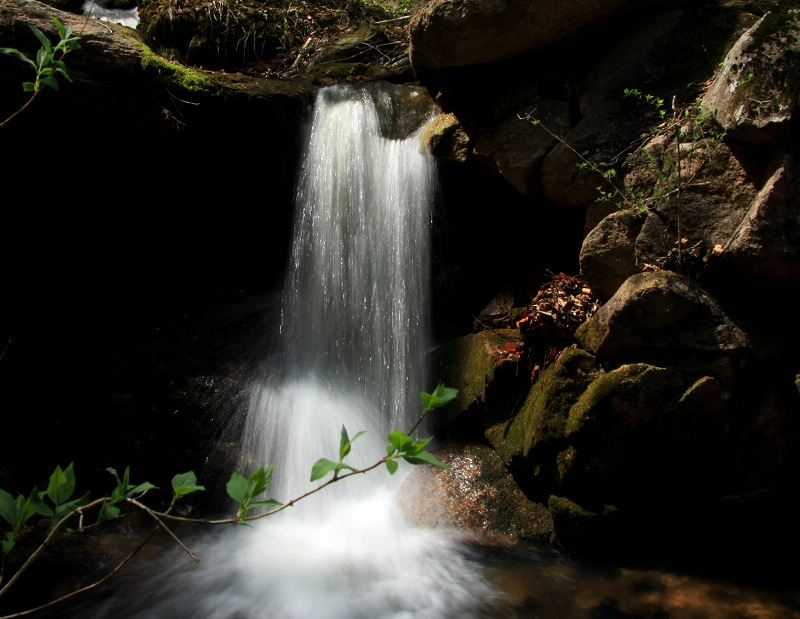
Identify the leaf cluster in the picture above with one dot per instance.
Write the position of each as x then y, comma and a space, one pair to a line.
18, 511
46, 65
244, 490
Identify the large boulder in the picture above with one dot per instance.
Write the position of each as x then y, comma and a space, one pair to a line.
445, 33
668, 313
542, 418
608, 253
477, 494
516, 148
766, 244
755, 91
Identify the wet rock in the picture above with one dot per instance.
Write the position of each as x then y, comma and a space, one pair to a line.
576, 527
445, 138
402, 108
477, 494
614, 431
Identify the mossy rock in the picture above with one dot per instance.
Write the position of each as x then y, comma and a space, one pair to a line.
469, 365
618, 433
543, 416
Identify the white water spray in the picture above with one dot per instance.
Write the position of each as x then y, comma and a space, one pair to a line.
355, 329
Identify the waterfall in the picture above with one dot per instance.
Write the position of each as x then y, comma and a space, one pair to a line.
355, 316
355, 331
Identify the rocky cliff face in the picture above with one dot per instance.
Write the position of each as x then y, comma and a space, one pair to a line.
674, 130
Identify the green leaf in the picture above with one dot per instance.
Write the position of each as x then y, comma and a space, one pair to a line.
185, 483
39, 506
42, 39
23, 57
269, 503
62, 31
11, 539
50, 81
259, 481
426, 457
141, 488
62, 484
25, 507
392, 465
66, 508
344, 444
322, 467
238, 488
395, 441
108, 511
418, 446
8, 508
440, 396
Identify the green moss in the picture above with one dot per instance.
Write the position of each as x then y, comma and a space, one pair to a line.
172, 75
343, 70
544, 414
466, 363
176, 75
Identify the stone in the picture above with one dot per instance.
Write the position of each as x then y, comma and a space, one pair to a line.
447, 33
756, 89
542, 418
470, 365
359, 46
664, 311
445, 138
616, 432
607, 255
717, 185
516, 148
767, 241
477, 494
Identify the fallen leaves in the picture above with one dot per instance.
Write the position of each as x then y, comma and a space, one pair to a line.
547, 324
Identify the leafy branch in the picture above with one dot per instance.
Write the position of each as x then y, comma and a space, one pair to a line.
49, 63
244, 490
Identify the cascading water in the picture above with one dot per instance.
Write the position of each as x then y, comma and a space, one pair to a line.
355, 332
356, 301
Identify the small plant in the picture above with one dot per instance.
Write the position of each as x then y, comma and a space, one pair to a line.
47, 66
49, 63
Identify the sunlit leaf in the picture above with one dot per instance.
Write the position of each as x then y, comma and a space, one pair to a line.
185, 483
426, 457
440, 396
269, 503
238, 488
322, 467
